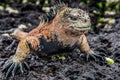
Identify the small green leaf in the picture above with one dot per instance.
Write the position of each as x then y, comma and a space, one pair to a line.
100, 5
100, 20
58, 56
117, 7
109, 60
96, 12
62, 57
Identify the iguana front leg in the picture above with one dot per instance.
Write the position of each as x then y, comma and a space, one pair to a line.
19, 34
18, 60
84, 47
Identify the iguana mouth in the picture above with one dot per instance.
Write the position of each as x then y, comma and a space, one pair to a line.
81, 28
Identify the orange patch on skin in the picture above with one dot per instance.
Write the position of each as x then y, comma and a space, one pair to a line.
19, 34
33, 41
41, 31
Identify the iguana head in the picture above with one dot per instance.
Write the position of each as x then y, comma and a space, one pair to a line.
71, 18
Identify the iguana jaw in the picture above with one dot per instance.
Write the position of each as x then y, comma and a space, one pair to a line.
82, 28
80, 25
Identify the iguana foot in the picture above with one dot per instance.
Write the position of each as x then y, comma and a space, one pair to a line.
95, 57
11, 67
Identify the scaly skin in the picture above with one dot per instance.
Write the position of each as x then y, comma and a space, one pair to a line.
64, 32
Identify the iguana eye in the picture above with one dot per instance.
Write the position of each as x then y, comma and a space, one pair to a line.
73, 18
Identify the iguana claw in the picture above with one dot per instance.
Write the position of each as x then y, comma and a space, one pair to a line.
11, 67
96, 57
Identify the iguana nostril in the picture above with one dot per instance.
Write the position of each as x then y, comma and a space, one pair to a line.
85, 20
